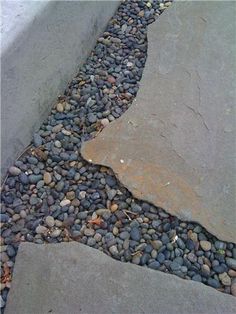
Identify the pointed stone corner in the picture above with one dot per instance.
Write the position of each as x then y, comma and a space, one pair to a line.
177, 141
74, 278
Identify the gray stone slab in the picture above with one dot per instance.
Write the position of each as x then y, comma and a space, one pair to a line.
73, 278
177, 140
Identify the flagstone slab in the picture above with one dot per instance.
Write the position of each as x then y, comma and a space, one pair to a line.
73, 278
175, 146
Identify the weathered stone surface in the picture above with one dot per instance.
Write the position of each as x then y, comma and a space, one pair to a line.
73, 278
175, 146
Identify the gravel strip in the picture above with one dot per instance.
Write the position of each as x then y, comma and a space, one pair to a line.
52, 195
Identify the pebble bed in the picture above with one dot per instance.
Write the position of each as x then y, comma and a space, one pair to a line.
52, 195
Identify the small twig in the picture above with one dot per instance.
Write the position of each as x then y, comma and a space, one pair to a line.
126, 214
130, 212
24, 151
136, 253
99, 131
174, 239
4, 181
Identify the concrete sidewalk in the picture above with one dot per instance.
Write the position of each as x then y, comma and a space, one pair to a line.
71, 278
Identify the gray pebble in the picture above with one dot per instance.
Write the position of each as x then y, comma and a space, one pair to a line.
154, 265
135, 234
136, 259
14, 171
180, 243
213, 283
220, 245
175, 266
165, 239
197, 278
91, 242
231, 262
113, 250
24, 178
4, 217
89, 232
82, 215
124, 235
161, 258
11, 251
33, 178
50, 222
92, 118
37, 139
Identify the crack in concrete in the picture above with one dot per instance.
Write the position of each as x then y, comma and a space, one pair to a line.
198, 114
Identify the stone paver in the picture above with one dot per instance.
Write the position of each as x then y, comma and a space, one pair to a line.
73, 278
175, 146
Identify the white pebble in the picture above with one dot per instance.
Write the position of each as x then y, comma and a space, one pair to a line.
41, 230
65, 202
60, 107
56, 233
50, 222
82, 194
105, 122
65, 132
130, 64
57, 144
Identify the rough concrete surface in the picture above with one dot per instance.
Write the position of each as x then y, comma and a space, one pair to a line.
73, 278
43, 45
177, 140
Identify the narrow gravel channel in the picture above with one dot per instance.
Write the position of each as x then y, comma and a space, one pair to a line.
52, 195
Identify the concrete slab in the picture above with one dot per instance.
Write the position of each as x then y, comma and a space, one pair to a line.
175, 146
73, 278
43, 45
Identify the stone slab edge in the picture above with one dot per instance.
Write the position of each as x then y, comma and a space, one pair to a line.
74, 278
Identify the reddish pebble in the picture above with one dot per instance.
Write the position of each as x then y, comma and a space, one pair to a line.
111, 79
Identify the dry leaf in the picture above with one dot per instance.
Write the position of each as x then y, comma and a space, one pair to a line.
6, 274
97, 221
67, 235
40, 154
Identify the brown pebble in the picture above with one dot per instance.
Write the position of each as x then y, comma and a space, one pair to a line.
111, 79
115, 231
4, 257
60, 107
47, 178
233, 287
16, 217
57, 128
205, 245
70, 195
192, 235
114, 208
75, 202
232, 273
225, 279
141, 13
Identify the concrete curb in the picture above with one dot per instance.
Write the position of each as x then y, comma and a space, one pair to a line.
43, 45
